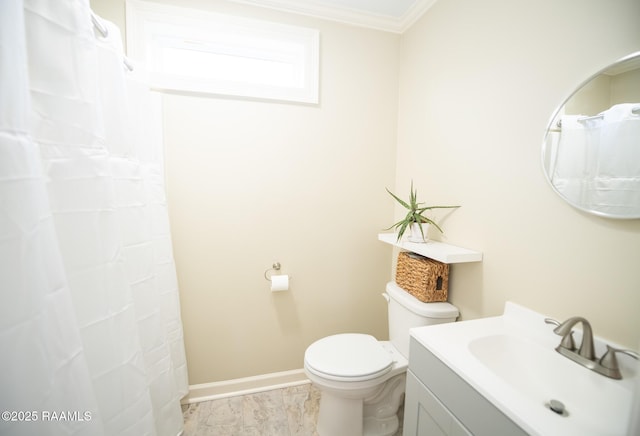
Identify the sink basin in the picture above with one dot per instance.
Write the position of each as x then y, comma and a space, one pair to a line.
511, 360
592, 401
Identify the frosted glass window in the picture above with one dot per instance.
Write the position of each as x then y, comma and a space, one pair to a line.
197, 51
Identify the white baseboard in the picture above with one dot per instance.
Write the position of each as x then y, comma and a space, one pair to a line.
243, 386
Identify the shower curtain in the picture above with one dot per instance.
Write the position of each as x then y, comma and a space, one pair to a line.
570, 164
90, 331
597, 161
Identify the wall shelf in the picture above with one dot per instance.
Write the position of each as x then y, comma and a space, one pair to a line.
445, 253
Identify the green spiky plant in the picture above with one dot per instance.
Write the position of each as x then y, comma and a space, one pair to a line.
414, 214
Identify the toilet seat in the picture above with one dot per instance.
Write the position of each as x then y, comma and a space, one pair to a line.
348, 357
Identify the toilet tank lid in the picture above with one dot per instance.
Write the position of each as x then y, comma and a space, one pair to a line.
430, 310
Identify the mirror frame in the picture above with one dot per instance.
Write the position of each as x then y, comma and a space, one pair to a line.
549, 126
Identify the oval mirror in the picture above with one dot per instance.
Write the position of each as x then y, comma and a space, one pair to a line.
591, 150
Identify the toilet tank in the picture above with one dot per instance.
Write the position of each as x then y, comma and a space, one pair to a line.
406, 312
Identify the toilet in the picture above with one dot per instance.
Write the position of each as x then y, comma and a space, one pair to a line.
361, 379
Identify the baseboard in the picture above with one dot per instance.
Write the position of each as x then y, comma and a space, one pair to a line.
243, 386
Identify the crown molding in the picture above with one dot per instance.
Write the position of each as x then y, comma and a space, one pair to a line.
355, 17
419, 8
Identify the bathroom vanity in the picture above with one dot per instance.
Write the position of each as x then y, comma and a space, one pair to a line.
437, 401
502, 376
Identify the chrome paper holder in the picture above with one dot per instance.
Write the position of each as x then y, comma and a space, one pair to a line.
275, 267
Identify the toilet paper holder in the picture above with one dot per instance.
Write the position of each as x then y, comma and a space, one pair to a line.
275, 267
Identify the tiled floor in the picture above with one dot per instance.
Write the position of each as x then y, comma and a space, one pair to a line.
283, 412
289, 411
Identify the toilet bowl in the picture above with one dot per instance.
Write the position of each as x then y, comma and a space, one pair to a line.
359, 373
361, 379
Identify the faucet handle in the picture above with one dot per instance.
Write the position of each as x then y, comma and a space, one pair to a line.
609, 360
567, 340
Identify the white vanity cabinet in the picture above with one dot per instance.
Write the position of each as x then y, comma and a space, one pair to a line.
439, 402
425, 415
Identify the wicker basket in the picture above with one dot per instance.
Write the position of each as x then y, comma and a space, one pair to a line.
424, 278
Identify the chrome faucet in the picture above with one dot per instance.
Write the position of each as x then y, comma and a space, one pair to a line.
607, 365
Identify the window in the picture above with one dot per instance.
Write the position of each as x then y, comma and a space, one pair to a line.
198, 51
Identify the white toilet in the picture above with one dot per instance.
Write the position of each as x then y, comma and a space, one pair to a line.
361, 379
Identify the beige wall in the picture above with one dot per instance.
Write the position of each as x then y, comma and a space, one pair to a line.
593, 98
605, 91
478, 84
625, 87
254, 182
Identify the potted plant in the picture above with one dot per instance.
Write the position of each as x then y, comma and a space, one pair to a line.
415, 218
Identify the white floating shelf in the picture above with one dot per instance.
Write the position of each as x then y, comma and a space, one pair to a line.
439, 251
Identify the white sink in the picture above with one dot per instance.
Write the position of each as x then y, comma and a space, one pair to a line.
511, 361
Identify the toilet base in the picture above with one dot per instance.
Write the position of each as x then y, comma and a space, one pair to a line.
381, 427
381, 411
339, 416
375, 415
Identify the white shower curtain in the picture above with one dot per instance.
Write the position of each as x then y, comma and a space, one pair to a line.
616, 184
597, 161
571, 165
90, 331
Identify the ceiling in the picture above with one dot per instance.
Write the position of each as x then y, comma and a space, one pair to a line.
388, 15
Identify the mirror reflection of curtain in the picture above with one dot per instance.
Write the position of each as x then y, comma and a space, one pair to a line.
616, 185
597, 161
570, 164
89, 313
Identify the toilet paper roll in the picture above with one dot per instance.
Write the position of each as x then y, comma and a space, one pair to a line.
279, 283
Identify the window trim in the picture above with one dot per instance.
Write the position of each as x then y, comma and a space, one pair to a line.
154, 27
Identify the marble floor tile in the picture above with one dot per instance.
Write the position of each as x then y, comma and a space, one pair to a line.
301, 404
264, 414
291, 411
